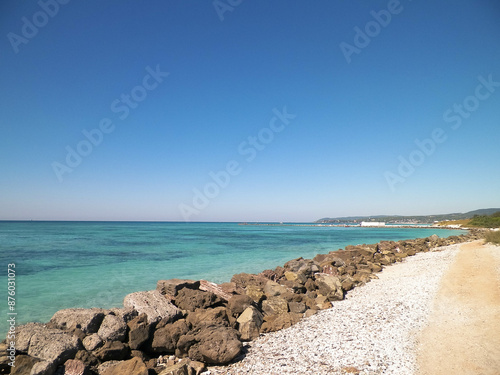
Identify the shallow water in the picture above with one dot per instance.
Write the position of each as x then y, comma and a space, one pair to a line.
95, 264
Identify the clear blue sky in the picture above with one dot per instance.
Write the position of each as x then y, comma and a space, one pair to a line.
357, 89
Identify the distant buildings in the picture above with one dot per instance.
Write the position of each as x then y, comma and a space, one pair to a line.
372, 224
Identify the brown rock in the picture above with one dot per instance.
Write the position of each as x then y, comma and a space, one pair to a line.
113, 328
88, 320
112, 350
208, 286
272, 289
249, 323
87, 358
217, 315
330, 286
171, 287
190, 300
92, 342
255, 293
139, 331
53, 345
282, 321
134, 366
24, 364
297, 307
184, 344
242, 280
238, 303
153, 304
274, 306
347, 283
216, 345
181, 368
165, 339
74, 367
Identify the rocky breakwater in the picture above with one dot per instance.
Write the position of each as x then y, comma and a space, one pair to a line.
184, 325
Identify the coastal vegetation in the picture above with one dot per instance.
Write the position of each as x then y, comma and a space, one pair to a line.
493, 237
486, 221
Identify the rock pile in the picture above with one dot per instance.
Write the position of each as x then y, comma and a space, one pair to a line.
185, 324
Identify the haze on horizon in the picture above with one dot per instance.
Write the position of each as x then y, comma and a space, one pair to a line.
248, 110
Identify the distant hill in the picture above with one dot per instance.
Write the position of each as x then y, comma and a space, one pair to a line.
426, 219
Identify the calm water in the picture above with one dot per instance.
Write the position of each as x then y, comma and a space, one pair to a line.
95, 264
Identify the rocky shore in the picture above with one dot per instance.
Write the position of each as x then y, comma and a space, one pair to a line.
185, 326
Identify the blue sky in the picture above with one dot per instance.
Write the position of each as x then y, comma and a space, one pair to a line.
255, 111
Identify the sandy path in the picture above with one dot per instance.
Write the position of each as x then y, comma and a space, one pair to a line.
463, 334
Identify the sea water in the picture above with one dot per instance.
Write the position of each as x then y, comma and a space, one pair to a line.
95, 264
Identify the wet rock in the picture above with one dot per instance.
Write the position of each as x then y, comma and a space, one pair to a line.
190, 300
113, 328
249, 323
88, 320
153, 304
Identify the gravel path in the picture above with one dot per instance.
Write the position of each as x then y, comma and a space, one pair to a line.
373, 331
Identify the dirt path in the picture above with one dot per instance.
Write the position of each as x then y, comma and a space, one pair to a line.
463, 335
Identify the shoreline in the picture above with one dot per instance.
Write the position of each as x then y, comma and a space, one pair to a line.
230, 313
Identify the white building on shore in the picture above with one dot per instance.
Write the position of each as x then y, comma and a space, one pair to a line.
372, 224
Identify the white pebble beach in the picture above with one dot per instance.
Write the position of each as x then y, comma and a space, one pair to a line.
373, 331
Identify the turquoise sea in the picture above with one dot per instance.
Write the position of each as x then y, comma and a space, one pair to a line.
95, 264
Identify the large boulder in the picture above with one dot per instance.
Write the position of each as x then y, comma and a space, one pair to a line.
274, 306
112, 351
23, 366
238, 303
256, 293
216, 345
53, 345
134, 366
139, 331
165, 338
153, 304
242, 280
190, 300
113, 328
87, 320
277, 322
272, 289
217, 315
249, 323
330, 286
171, 287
